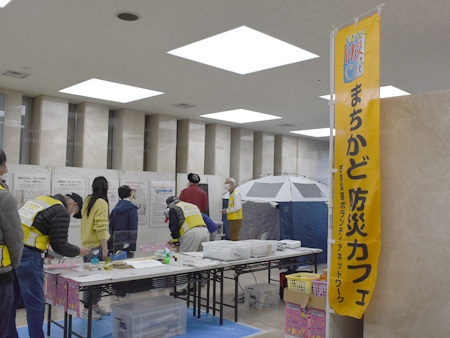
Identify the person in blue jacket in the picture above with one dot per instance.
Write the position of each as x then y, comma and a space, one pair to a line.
123, 222
123, 225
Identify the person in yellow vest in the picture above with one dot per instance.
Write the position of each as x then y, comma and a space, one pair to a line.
11, 246
45, 220
187, 228
234, 210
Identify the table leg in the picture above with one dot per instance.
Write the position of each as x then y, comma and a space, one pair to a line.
70, 327
65, 325
208, 290
236, 286
214, 291
315, 263
221, 296
199, 288
49, 319
90, 298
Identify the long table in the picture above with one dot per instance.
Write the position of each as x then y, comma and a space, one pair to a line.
173, 275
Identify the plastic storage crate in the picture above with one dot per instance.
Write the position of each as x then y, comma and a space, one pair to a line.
319, 287
302, 281
227, 250
161, 316
261, 295
261, 248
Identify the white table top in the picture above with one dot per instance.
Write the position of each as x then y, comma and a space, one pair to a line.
98, 277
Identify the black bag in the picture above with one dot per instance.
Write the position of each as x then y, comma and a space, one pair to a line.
114, 244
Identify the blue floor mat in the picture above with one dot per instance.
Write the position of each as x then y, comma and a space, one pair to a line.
206, 327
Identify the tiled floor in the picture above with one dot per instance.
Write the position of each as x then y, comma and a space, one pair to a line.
270, 321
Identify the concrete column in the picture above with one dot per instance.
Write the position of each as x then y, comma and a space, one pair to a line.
217, 150
128, 140
49, 136
161, 143
285, 154
241, 168
263, 154
11, 125
91, 140
191, 146
312, 158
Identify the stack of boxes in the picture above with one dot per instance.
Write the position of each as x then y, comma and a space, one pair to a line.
305, 313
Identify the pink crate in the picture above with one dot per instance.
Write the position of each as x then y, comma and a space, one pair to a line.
319, 288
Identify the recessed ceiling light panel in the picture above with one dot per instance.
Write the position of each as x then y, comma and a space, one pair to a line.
385, 92
320, 132
243, 50
110, 91
241, 116
3, 3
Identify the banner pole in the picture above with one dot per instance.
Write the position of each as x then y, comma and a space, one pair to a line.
331, 172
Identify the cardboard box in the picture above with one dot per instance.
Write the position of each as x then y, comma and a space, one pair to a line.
305, 315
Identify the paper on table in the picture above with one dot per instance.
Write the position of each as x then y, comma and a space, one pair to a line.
194, 253
144, 264
89, 278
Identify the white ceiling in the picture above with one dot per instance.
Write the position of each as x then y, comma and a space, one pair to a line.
63, 42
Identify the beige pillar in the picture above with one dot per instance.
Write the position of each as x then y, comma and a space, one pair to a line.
91, 140
128, 140
263, 154
241, 168
217, 150
191, 146
161, 143
312, 158
11, 125
49, 136
285, 154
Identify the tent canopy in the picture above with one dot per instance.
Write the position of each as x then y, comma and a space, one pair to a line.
283, 188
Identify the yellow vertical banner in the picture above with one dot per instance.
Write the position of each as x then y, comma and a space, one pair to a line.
356, 213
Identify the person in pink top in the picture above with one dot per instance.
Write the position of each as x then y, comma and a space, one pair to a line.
193, 194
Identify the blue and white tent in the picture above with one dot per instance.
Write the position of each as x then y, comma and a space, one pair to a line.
286, 207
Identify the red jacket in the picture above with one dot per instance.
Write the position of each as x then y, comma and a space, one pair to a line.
196, 196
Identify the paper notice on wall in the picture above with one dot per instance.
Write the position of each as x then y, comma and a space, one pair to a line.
159, 192
139, 191
28, 186
68, 185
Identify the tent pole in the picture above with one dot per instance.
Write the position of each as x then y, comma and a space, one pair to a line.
331, 172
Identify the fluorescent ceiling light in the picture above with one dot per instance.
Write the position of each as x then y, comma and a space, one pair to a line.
241, 116
386, 91
321, 132
109, 91
243, 50
3, 3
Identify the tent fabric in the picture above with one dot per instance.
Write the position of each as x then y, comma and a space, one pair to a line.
301, 214
283, 188
307, 222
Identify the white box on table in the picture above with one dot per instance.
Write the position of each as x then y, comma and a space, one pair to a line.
261, 248
227, 250
161, 316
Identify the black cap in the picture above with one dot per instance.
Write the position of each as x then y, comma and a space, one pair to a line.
171, 199
194, 178
77, 198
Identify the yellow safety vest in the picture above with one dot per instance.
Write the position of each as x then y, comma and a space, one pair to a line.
5, 258
234, 216
192, 217
32, 236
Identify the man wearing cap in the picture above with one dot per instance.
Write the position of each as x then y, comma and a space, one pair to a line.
193, 194
45, 220
187, 228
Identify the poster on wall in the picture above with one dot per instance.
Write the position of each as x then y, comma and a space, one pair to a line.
140, 193
113, 195
159, 192
28, 186
68, 185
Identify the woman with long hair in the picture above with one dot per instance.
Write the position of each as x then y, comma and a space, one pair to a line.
95, 235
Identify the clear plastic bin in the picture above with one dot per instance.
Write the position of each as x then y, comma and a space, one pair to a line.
227, 250
262, 295
161, 316
261, 248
